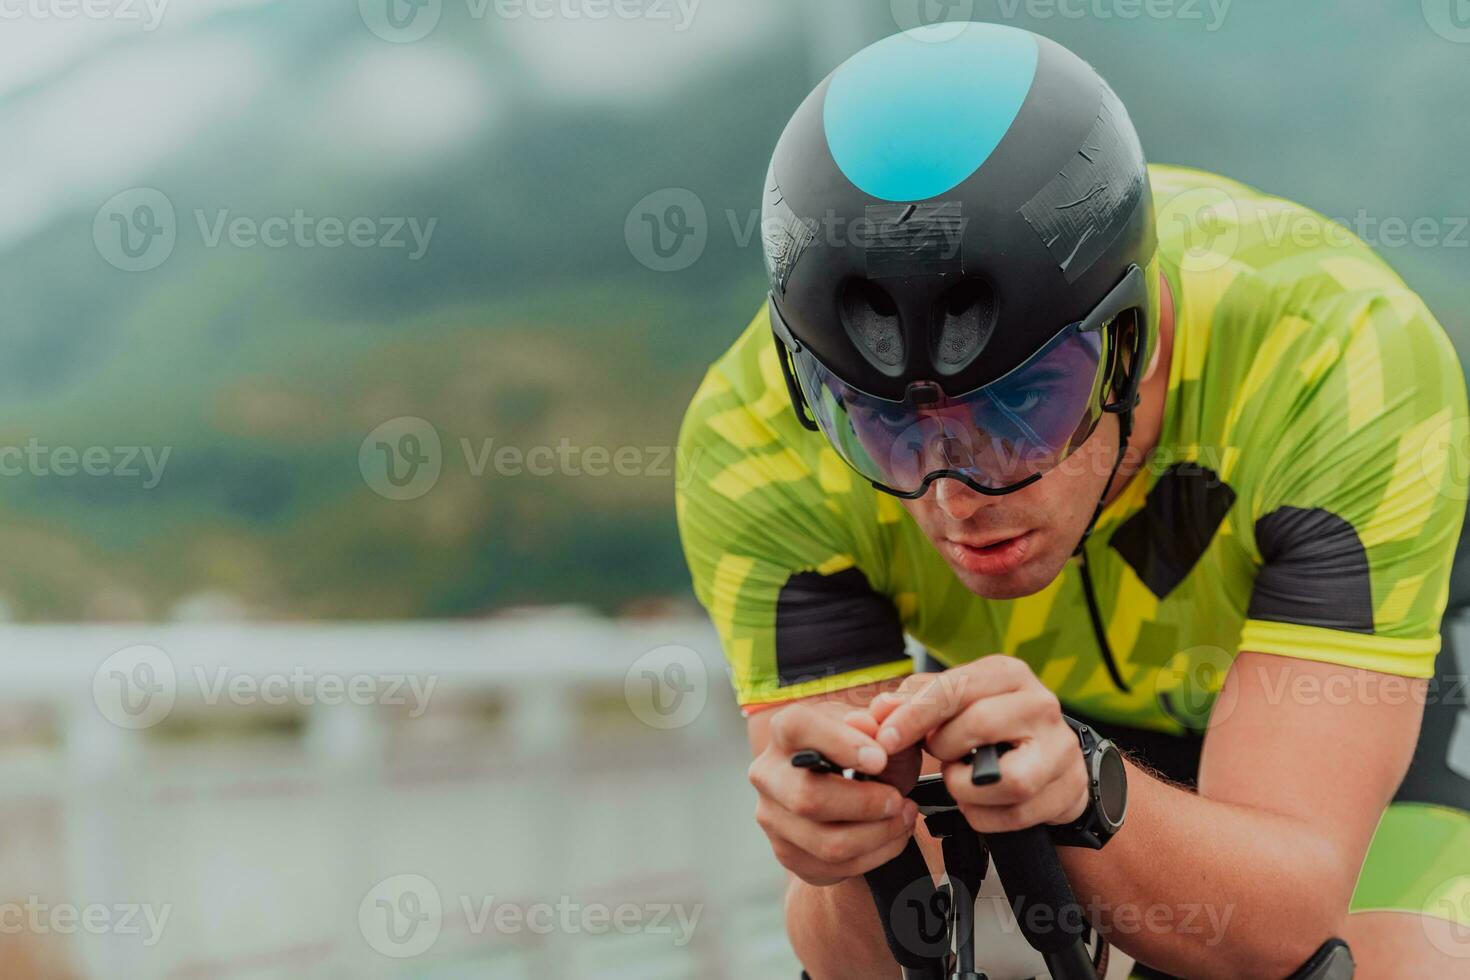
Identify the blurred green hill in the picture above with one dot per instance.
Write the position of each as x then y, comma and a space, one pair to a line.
528, 321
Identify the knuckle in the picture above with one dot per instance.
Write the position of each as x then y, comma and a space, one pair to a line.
913, 682
957, 781
764, 815
892, 849
1013, 818
832, 851
786, 721
980, 818
1024, 783
1011, 667
805, 804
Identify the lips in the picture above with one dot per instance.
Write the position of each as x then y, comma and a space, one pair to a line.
992, 555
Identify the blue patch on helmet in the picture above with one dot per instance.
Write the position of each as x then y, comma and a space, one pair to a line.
913, 115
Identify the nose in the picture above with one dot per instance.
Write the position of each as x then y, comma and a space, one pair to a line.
957, 501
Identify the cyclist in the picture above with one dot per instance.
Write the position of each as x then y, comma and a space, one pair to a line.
1104, 441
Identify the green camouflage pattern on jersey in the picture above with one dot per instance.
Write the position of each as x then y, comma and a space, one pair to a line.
1304, 374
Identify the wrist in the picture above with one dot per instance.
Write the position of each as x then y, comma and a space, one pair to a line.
1105, 792
1082, 798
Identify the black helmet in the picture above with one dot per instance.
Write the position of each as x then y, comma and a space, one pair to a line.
938, 213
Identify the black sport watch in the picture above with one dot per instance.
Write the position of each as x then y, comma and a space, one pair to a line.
1107, 790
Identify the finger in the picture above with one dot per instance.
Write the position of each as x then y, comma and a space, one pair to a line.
822, 797
834, 846
1025, 772
884, 703
1049, 807
947, 694
816, 872
802, 726
863, 722
1011, 717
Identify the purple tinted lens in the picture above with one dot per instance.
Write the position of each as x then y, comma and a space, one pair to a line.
998, 435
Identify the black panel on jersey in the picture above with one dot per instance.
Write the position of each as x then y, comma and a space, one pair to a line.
1315, 572
832, 624
1165, 539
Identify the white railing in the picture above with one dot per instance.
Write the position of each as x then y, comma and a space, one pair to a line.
264, 806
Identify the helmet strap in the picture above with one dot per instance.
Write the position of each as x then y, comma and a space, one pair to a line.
1124, 411
793, 390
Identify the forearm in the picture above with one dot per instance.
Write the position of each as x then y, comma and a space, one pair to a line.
1202, 888
835, 931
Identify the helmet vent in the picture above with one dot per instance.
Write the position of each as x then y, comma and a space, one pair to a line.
967, 315
871, 320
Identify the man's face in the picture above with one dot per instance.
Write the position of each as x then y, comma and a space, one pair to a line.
1014, 545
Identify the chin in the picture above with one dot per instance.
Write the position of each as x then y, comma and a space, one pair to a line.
1012, 586
1033, 576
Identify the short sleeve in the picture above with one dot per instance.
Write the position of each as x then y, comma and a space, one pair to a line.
770, 549
1356, 514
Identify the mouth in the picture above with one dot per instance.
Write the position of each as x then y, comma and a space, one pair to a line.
993, 556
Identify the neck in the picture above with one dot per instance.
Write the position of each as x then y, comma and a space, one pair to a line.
1148, 417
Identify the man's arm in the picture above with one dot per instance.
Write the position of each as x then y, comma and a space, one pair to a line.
1300, 761
1246, 878
833, 928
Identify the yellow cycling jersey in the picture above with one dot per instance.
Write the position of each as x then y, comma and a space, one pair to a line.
1304, 499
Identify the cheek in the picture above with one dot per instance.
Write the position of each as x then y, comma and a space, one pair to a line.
920, 509
1073, 487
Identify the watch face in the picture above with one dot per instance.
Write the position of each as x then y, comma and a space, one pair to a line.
1112, 787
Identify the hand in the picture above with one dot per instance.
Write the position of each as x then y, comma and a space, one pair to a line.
991, 700
824, 828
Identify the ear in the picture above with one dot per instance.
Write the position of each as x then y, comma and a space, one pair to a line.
1165, 315
1153, 364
